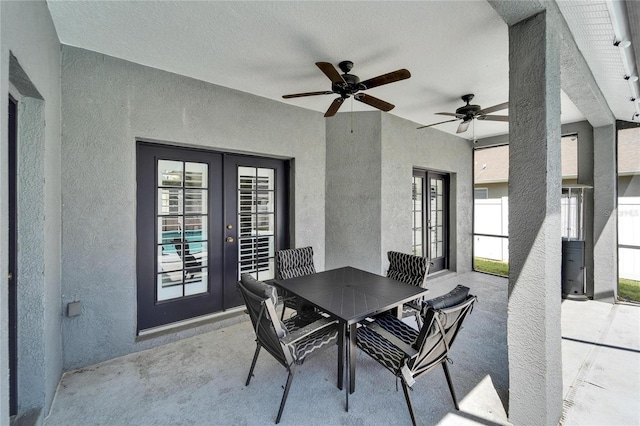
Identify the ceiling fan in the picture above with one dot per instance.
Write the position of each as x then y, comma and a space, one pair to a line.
346, 85
468, 112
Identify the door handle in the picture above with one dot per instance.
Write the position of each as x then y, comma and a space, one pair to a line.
9, 276
229, 239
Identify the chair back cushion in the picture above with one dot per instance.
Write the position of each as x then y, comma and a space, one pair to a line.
440, 327
259, 299
407, 268
293, 263
455, 296
259, 288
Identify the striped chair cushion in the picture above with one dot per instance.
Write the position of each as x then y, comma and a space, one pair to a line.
383, 350
407, 268
398, 328
312, 342
380, 349
293, 263
301, 320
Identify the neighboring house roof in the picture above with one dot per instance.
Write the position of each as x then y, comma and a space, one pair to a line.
491, 165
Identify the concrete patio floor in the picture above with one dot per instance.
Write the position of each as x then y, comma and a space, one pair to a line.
200, 380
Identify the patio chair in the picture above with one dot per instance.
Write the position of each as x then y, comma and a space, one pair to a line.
191, 264
410, 353
291, 341
291, 263
413, 270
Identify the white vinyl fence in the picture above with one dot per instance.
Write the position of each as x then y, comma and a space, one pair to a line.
629, 238
491, 218
491, 223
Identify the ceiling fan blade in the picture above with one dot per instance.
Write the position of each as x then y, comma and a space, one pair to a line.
330, 71
299, 95
374, 102
494, 117
463, 126
386, 78
334, 107
494, 108
435, 124
452, 114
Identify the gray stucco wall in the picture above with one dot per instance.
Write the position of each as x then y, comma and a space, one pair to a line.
353, 189
107, 104
27, 32
369, 174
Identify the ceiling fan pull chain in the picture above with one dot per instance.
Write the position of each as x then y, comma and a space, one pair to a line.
351, 115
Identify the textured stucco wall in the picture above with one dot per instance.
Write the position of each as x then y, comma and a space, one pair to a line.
27, 31
107, 104
369, 176
605, 214
535, 370
403, 148
353, 191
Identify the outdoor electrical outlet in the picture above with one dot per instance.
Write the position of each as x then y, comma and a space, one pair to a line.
74, 309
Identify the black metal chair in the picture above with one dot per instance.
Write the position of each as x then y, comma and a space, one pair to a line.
291, 263
409, 269
291, 341
409, 353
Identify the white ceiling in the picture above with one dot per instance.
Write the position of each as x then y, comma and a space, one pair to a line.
269, 48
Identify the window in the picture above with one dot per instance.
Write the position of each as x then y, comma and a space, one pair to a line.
481, 193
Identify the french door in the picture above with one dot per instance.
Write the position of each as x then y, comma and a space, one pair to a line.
204, 218
430, 217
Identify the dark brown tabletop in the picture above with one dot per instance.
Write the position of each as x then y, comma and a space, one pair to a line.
350, 295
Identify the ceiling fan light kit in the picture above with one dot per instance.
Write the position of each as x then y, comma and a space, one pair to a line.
347, 85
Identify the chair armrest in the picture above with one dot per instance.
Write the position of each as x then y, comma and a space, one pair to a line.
294, 336
407, 349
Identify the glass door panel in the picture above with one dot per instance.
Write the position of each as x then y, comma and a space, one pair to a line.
437, 220
256, 211
182, 238
418, 216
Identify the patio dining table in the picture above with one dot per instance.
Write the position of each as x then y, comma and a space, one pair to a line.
350, 295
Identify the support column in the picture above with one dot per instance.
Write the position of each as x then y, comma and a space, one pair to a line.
605, 214
535, 358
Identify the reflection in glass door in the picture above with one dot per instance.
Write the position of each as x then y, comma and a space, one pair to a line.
182, 229
256, 219
437, 220
418, 218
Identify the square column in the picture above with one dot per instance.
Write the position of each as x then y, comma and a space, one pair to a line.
535, 357
605, 214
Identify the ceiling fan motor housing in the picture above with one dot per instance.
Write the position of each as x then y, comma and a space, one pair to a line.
468, 110
352, 86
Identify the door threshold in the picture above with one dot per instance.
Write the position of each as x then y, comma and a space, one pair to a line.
175, 327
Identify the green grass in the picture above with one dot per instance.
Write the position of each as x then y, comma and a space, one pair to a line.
491, 266
629, 290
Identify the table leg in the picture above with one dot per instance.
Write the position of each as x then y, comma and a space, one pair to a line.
351, 360
341, 356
